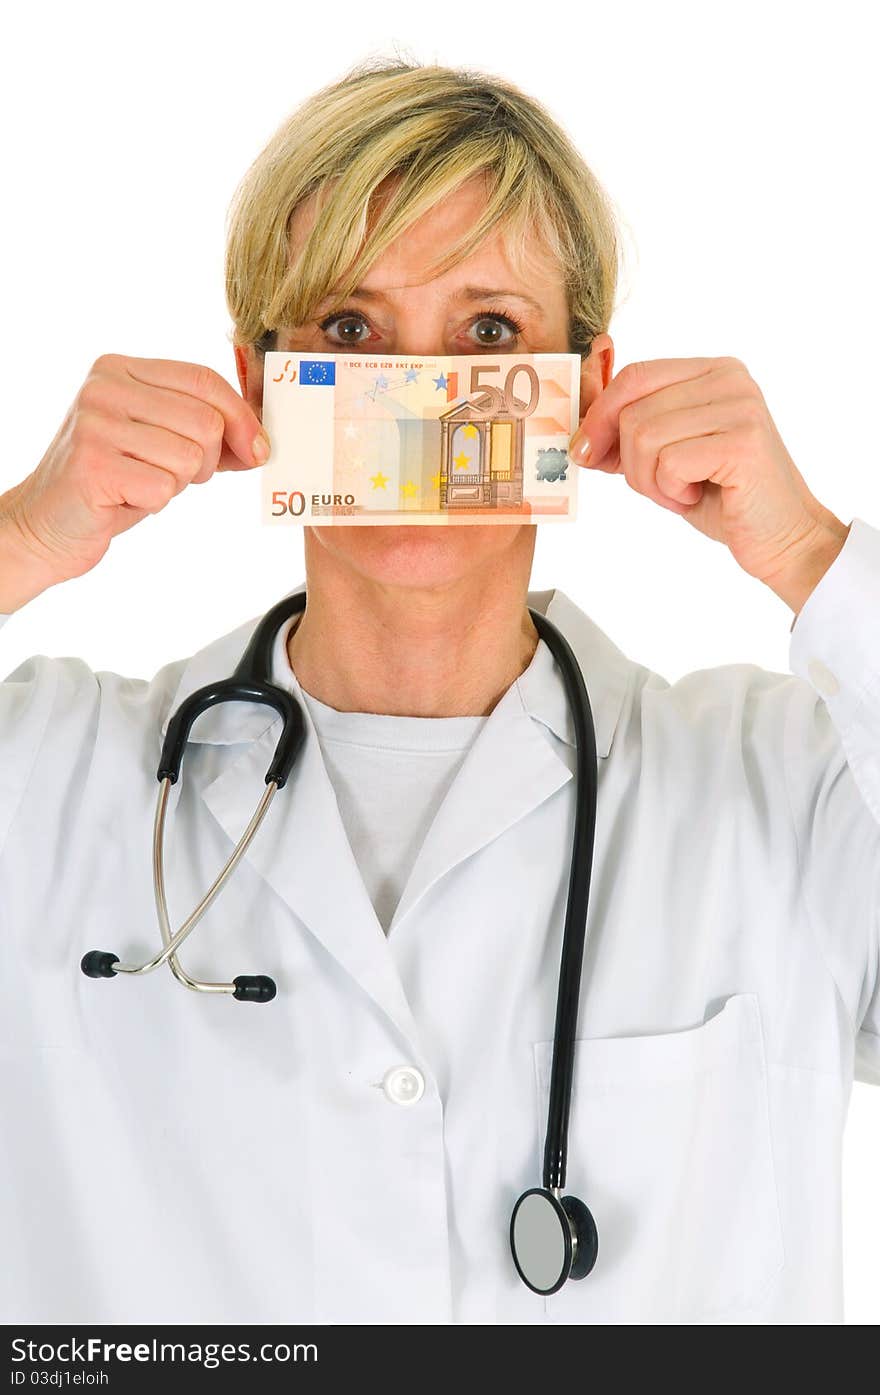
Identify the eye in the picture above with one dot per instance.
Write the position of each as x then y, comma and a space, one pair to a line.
350, 317
487, 319
487, 325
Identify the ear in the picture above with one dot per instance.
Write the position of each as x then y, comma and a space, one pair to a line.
249, 366
597, 370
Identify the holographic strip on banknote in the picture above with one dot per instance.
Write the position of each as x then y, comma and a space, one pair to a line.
456, 438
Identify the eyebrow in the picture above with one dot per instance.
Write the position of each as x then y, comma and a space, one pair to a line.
465, 293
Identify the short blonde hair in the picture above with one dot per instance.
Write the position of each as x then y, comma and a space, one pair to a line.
433, 128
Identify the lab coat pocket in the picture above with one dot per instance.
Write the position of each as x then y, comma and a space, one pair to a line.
670, 1147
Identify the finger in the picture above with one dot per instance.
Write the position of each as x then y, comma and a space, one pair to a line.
137, 484
681, 471
642, 439
241, 423
122, 399
185, 457
600, 421
718, 385
686, 466
612, 466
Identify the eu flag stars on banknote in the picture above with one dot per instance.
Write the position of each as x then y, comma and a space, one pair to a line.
315, 371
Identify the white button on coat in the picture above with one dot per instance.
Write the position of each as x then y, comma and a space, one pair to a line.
170, 1157
404, 1085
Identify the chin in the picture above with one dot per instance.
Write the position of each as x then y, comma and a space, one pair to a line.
423, 554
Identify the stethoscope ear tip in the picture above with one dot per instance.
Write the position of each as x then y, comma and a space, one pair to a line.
98, 963
254, 988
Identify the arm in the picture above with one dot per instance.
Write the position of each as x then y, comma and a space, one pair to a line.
832, 766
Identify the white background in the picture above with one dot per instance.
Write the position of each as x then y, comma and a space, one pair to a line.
739, 148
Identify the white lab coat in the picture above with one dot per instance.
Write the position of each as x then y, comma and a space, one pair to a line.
174, 1157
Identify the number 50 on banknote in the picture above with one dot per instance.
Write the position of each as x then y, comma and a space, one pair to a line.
456, 438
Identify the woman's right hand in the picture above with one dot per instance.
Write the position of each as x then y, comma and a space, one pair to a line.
137, 433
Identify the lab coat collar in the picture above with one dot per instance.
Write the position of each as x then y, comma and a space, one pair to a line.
607, 674
302, 850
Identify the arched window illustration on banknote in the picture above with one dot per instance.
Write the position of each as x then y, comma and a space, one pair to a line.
481, 462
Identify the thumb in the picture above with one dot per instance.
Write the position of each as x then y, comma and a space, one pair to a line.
595, 435
230, 460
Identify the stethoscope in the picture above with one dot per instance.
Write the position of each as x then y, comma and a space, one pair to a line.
552, 1237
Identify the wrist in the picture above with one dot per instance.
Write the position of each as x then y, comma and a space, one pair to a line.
23, 574
797, 583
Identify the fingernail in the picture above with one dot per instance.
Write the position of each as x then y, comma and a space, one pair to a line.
262, 448
580, 450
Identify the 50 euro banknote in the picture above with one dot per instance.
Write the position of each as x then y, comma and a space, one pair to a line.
455, 438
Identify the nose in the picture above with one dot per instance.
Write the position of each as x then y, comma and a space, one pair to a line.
423, 329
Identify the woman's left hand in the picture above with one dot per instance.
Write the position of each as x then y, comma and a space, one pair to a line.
696, 437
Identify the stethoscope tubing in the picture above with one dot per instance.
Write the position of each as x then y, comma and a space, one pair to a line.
577, 904
251, 683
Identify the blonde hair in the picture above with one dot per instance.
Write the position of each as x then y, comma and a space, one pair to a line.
433, 127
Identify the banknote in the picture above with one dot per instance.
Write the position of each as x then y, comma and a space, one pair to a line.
455, 438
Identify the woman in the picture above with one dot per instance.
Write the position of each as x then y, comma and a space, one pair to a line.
352, 1152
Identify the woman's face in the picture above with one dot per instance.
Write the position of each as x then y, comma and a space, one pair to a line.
397, 310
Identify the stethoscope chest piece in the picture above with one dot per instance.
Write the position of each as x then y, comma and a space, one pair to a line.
552, 1239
